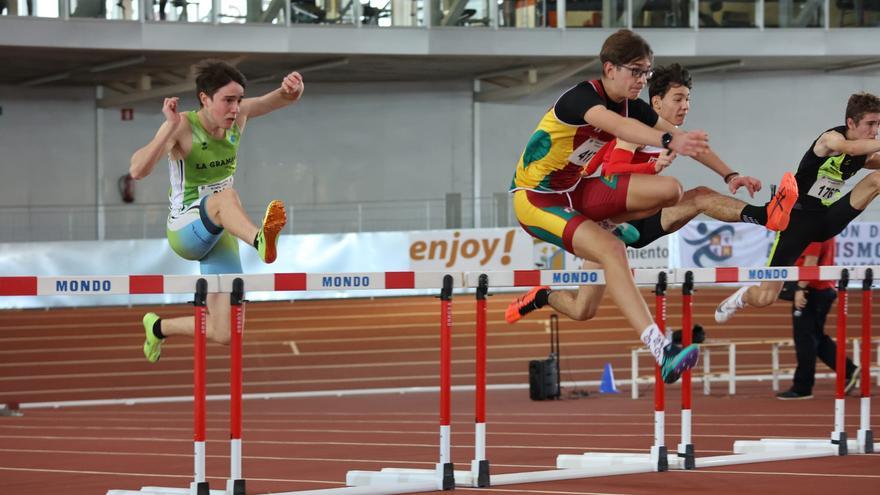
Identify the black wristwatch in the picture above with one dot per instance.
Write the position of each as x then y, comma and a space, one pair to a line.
666, 139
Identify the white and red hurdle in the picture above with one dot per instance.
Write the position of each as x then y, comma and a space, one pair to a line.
393, 481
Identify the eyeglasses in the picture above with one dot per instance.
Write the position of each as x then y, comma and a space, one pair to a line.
638, 72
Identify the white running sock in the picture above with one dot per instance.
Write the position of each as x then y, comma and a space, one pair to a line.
656, 341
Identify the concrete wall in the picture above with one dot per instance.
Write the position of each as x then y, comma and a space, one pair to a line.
394, 148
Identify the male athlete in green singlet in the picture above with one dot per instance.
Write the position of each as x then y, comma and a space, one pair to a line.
206, 214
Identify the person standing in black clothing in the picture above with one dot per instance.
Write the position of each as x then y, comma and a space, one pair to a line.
822, 211
811, 303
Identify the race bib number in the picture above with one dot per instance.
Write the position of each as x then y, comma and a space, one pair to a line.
586, 151
216, 187
826, 189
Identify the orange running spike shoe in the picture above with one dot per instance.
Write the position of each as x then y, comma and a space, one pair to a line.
523, 305
267, 238
779, 208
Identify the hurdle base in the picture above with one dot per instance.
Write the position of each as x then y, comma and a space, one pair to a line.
468, 479
443, 476
660, 458
199, 488
480, 474
164, 490
235, 487
794, 444
842, 443
569, 474
686, 454
767, 456
599, 460
865, 439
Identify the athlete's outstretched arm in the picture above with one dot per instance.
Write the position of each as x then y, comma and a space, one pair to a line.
685, 143
144, 159
714, 162
291, 90
834, 143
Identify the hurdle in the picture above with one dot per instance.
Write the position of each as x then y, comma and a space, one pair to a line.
596, 464
658, 459
235, 286
838, 444
444, 475
235, 485
133, 285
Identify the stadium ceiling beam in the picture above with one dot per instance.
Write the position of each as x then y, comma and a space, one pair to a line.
189, 84
534, 82
147, 91
858, 67
324, 64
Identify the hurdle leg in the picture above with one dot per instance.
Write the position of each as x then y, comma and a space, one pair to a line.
707, 370
865, 437
838, 436
634, 373
659, 454
686, 447
235, 485
480, 465
199, 486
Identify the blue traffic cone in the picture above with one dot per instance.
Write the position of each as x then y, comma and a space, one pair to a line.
607, 386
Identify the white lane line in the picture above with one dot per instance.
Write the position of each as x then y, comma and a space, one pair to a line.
293, 347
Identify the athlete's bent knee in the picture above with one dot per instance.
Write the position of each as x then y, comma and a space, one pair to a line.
874, 181
671, 192
763, 296
584, 313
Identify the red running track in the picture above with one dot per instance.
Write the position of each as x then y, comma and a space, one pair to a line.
308, 443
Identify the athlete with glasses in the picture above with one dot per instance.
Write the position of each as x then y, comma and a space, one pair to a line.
555, 202
669, 93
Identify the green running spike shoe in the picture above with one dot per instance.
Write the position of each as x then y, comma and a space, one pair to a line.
153, 344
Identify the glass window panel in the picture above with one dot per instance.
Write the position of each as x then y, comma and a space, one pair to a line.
728, 13
661, 13
104, 9
181, 10
460, 12
793, 13
855, 13
389, 13
323, 11
25, 8
596, 13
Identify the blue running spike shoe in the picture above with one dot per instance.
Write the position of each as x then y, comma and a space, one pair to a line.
677, 360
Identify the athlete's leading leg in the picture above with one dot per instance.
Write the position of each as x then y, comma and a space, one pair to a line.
224, 209
593, 243
774, 215
865, 191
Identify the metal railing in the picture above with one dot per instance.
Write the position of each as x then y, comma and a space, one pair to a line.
527, 14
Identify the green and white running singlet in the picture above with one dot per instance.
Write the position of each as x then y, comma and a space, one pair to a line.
207, 169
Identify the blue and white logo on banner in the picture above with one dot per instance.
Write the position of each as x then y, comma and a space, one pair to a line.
711, 244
